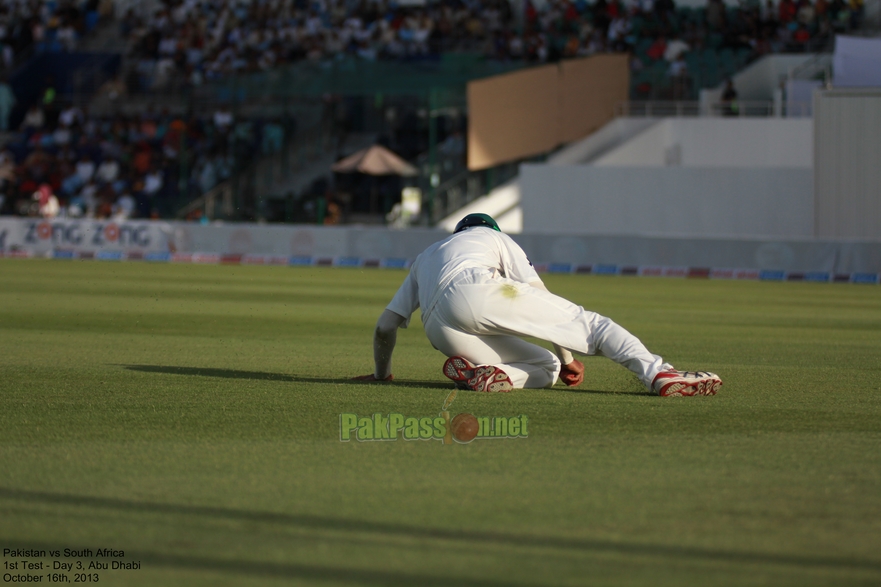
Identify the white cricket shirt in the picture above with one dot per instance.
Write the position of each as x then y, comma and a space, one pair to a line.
437, 267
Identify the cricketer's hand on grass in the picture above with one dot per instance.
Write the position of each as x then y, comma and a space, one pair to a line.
573, 373
385, 337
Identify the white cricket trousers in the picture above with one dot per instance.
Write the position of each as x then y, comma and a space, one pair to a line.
481, 317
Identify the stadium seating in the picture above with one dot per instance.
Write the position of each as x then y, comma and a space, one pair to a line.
169, 60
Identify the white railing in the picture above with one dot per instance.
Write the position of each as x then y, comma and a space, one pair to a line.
667, 108
660, 109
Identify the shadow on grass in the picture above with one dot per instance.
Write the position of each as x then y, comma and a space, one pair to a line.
460, 535
265, 376
601, 392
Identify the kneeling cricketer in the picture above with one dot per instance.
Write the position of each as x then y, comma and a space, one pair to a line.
480, 296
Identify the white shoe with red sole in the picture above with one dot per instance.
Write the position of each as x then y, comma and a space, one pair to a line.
686, 383
467, 375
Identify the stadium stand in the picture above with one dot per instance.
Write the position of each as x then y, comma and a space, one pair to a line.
201, 136
29, 27
186, 43
145, 165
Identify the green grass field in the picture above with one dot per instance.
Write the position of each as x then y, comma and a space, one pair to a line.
189, 415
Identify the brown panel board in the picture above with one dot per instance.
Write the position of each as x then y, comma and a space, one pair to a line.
513, 116
590, 89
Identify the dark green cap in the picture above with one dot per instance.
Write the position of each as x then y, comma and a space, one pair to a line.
477, 220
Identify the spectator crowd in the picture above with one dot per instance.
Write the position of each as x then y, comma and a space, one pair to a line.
189, 41
124, 166
54, 25
148, 164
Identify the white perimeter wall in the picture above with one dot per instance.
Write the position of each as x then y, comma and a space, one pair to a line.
687, 177
719, 142
41, 238
646, 201
848, 173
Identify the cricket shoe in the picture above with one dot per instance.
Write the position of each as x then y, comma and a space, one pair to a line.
477, 377
686, 383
